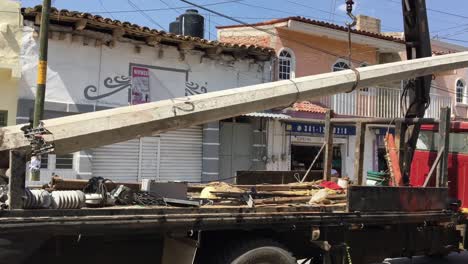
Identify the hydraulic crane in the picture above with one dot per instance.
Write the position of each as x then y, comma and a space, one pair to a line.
416, 91
418, 45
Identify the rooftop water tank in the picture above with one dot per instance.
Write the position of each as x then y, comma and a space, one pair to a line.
174, 27
192, 24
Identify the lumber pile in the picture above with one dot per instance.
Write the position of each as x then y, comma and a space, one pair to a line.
310, 193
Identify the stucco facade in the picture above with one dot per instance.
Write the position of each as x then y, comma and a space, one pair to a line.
89, 70
10, 43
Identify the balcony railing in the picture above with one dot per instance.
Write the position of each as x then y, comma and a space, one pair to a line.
379, 102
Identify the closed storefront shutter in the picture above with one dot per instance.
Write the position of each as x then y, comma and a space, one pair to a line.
181, 155
117, 162
122, 162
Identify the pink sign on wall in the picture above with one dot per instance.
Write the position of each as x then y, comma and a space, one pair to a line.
140, 86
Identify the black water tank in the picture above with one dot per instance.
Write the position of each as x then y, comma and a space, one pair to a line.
192, 24
174, 27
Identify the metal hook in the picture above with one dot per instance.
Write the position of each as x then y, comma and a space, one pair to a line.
349, 11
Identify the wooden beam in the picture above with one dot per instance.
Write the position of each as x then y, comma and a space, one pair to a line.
17, 183
400, 132
434, 166
359, 152
328, 157
89, 130
444, 140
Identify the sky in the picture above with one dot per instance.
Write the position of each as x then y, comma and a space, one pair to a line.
448, 19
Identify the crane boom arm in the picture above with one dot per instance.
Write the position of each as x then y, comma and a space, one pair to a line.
89, 130
418, 45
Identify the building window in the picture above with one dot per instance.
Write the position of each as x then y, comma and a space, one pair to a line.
3, 118
460, 92
44, 161
286, 64
64, 161
340, 65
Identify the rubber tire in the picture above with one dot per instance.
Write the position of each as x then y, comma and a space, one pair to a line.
255, 252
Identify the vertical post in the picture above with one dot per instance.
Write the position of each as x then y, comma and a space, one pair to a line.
359, 152
42, 65
328, 157
444, 140
17, 179
400, 132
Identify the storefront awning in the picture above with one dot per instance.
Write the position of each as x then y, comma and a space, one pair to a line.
268, 115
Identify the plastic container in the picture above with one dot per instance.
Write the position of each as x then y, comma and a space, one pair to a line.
375, 178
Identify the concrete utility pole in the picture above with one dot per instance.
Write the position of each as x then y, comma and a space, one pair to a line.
90, 130
41, 77
42, 65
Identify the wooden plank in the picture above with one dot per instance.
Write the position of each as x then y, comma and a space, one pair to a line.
17, 184
444, 136
359, 152
434, 166
328, 156
89, 130
396, 199
400, 132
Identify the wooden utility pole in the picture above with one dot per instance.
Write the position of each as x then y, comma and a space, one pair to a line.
359, 152
42, 65
444, 141
328, 157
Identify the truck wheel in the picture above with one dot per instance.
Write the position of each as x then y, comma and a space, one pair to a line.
255, 252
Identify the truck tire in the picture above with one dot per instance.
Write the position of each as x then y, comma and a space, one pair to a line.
255, 252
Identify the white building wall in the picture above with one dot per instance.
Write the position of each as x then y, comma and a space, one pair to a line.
73, 66
84, 75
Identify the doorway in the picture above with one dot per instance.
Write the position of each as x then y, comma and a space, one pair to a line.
302, 156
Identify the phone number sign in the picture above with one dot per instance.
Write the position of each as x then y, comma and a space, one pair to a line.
319, 129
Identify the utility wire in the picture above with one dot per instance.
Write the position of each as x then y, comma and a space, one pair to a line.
163, 9
149, 18
267, 31
105, 9
436, 11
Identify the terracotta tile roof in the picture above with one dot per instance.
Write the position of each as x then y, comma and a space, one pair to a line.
102, 24
322, 24
307, 106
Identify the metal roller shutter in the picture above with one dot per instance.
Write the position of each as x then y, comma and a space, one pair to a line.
122, 162
181, 155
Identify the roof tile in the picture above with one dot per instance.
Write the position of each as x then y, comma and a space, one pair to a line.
307, 106
59, 14
319, 23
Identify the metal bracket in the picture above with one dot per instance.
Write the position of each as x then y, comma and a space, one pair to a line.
35, 136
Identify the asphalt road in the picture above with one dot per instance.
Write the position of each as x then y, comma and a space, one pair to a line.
455, 258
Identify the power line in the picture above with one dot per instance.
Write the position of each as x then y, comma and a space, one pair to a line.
163, 9
459, 40
149, 18
437, 11
268, 31
330, 13
105, 9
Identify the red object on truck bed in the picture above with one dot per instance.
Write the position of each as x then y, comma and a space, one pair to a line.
426, 153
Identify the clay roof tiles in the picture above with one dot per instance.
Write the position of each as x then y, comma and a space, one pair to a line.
64, 15
322, 24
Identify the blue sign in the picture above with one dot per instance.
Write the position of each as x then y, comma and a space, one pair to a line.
319, 129
383, 131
